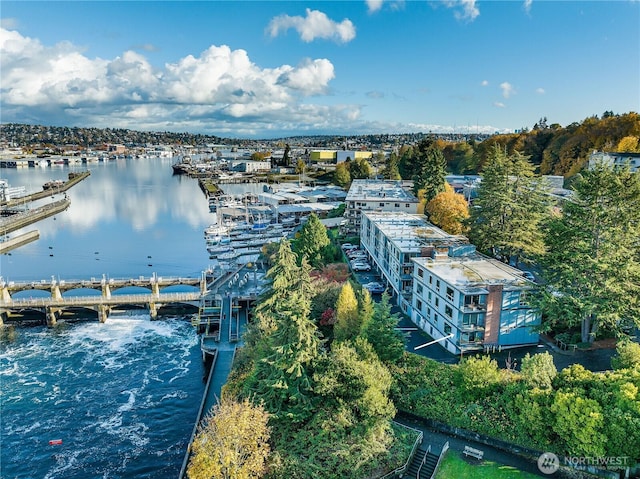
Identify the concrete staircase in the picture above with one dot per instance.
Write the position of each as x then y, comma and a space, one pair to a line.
423, 464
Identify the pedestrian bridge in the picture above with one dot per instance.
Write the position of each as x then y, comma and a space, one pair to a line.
103, 303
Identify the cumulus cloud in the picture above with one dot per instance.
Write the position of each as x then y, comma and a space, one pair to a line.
484, 83
540, 91
9, 23
315, 25
464, 10
42, 82
507, 89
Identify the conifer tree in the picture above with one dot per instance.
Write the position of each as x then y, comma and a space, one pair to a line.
592, 265
430, 170
381, 332
510, 210
313, 239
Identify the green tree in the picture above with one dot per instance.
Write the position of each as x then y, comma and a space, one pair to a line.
387, 341
478, 375
341, 175
592, 264
511, 208
430, 170
313, 238
300, 166
359, 169
391, 169
233, 442
578, 422
449, 211
282, 376
627, 357
538, 370
347, 324
286, 159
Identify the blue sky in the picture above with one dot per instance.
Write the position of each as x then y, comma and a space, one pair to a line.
266, 69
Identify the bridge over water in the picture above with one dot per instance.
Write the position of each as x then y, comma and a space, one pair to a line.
62, 297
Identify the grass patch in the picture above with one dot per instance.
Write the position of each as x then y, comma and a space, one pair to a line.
455, 467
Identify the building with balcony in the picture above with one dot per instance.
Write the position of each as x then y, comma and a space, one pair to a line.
470, 302
393, 239
632, 160
376, 195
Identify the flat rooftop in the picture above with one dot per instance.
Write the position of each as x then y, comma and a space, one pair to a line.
375, 190
472, 271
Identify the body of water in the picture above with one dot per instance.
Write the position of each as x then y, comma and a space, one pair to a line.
121, 396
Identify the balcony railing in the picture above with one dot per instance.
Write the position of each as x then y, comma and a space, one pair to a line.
473, 307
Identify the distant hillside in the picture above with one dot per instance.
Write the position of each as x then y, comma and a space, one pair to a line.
564, 151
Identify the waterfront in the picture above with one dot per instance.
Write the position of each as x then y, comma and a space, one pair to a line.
122, 396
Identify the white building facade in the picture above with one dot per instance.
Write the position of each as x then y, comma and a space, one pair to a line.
376, 195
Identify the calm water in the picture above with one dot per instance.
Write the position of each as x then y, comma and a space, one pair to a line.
122, 396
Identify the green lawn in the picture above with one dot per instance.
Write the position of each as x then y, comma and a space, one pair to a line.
455, 467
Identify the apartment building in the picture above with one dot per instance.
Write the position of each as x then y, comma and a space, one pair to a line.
471, 302
392, 239
464, 299
632, 160
376, 195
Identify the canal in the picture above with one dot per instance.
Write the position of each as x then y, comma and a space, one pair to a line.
118, 399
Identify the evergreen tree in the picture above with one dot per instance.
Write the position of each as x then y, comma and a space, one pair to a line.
430, 170
282, 378
359, 169
313, 239
510, 210
391, 169
381, 332
592, 266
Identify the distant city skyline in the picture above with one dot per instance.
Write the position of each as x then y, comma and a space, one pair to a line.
268, 69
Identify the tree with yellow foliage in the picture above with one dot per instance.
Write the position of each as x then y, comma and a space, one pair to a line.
448, 210
629, 144
233, 442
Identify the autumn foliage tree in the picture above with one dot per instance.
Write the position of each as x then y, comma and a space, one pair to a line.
233, 442
449, 210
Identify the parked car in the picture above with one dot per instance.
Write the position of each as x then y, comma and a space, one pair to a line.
347, 246
529, 275
375, 288
360, 266
359, 254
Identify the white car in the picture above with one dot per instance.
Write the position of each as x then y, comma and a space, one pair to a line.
375, 288
360, 266
529, 275
348, 246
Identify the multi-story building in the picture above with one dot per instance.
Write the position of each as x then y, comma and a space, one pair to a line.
470, 302
376, 195
392, 239
632, 160
464, 299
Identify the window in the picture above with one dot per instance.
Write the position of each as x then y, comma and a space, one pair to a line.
419, 305
419, 289
397, 205
430, 279
420, 273
448, 311
429, 296
470, 319
437, 285
523, 298
437, 301
447, 329
407, 205
381, 205
449, 293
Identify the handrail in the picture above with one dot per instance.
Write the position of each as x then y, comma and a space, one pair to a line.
445, 448
100, 300
424, 459
399, 470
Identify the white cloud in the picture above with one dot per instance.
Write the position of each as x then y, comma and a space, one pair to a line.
527, 6
540, 91
484, 83
507, 89
376, 95
466, 10
499, 104
315, 25
374, 5
9, 23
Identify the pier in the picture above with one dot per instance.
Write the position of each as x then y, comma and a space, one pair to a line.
74, 178
28, 217
53, 306
221, 319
